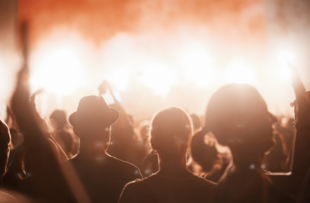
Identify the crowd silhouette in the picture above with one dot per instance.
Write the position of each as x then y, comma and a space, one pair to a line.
104, 156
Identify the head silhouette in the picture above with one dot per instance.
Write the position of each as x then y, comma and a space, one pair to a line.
171, 129
5, 140
58, 119
204, 152
238, 117
93, 119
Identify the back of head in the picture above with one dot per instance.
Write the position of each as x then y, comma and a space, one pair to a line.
204, 154
171, 129
238, 117
60, 118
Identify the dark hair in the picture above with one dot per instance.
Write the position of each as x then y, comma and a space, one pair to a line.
171, 127
60, 117
203, 154
237, 113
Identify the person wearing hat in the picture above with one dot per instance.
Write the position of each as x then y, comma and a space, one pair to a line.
101, 175
238, 117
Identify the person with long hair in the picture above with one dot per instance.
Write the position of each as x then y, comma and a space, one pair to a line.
238, 117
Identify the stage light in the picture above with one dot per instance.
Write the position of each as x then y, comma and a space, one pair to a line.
239, 72
58, 70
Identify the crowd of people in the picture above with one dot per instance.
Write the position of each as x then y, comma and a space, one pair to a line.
99, 154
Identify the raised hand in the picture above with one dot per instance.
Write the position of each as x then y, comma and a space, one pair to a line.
103, 87
302, 102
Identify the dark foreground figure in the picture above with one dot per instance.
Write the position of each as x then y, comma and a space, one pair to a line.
245, 126
171, 130
102, 176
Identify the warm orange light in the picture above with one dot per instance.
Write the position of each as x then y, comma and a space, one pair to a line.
59, 71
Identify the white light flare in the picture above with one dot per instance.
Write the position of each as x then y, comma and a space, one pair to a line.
282, 70
59, 70
285, 57
119, 79
197, 67
158, 77
239, 72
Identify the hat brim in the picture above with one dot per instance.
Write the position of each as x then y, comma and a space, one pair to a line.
112, 118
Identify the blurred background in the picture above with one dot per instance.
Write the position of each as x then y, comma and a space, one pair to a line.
155, 53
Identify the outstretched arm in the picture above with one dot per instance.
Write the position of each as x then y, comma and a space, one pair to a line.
301, 146
55, 146
47, 175
301, 158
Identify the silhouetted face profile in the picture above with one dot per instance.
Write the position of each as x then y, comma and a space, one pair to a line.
170, 131
238, 117
5, 140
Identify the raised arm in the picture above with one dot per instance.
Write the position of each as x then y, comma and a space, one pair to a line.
301, 158
47, 175
301, 145
55, 146
123, 120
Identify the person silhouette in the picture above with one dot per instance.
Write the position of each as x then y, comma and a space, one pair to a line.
51, 183
205, 153
302, 141
102, 175
244, 124
122, 144
64, 138
170, 132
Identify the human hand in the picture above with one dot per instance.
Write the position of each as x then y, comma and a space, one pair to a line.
103, 87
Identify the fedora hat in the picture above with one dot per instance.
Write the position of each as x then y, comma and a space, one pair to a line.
93, 110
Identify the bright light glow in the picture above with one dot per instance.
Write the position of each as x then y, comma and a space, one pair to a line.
282, 70
239, 72
119, 79
283, 73
6, 73
197, 66
59, 71
158, 77
285, 57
